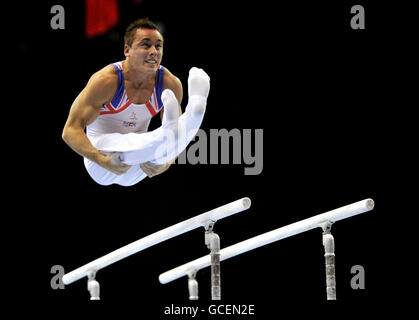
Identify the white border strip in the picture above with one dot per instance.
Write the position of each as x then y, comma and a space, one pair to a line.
157, 237
269, 237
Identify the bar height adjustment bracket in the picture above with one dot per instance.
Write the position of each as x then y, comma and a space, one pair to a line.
329, 255
92, 285
212, 241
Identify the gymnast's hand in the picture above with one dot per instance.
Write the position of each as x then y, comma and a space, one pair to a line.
152, 169
113, 163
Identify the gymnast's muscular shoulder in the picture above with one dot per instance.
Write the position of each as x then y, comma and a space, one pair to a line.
173, 83
102, 85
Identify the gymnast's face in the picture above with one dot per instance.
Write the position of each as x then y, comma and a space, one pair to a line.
146, 51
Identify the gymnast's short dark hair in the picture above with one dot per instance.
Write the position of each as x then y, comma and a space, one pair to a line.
144, 23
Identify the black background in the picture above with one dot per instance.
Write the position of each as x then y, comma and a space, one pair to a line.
330, 101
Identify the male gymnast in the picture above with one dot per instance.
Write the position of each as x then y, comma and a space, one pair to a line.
109, 119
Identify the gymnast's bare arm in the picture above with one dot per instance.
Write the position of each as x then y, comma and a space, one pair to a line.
85, 109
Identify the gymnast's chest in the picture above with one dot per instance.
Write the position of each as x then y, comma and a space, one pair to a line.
134, 118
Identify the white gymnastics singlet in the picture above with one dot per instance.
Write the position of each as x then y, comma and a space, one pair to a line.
122, 116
